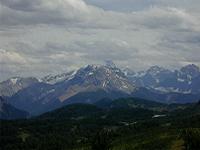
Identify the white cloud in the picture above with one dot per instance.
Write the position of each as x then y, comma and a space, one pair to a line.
10, 57
54, 36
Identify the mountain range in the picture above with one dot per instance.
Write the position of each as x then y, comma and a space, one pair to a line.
95, 82
185, 81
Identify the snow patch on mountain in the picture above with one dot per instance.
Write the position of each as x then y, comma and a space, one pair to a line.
54, 79
15, 84
14, 80
185, 80
181, 80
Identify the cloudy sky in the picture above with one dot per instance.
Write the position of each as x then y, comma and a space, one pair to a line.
39, 37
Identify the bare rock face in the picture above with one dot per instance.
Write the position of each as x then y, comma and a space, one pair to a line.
184, 81
55, 91
13, 85
94, 82
55, 79
95, 77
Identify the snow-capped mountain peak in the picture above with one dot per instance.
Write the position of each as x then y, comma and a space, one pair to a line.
185, 80
95, 77
191, 70
14, 80
13, 85
53, 79
156, 70
94, 82
110, 64
128, 72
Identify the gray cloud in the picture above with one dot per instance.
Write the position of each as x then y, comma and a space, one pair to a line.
138, 5
40, 37
27, 12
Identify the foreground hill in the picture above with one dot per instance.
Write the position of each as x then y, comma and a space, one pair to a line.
114, 111
124, 124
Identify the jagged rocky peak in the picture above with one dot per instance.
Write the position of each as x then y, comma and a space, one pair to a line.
100, 71
88, 70
95, 77
13, 85
91, 69
53, 79
191, 69
102, 77
110, 63
128, 72
14, 80
154, 70
19, 81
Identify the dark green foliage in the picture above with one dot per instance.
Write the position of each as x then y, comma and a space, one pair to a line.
95, 96
73, 111
191, 137
88, 127
102, 141
198, 102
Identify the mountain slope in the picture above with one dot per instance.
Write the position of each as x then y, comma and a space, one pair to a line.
36, 99
89, 84
169, 97
94, 82
94, 96
8, 112
116, 113
183, 81
55, 79
97, 77
13, 85
72, 111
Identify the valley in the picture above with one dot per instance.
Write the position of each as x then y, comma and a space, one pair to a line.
122, 124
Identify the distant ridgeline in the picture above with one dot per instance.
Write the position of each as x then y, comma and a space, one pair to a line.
95, 82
